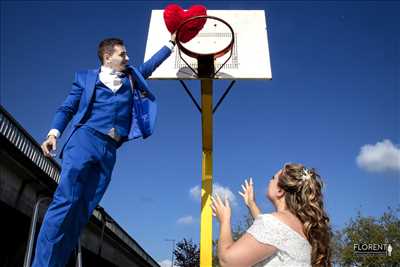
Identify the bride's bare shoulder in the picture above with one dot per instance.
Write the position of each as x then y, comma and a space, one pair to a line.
285, 216
291, 220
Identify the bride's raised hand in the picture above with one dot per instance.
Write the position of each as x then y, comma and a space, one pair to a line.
248, 192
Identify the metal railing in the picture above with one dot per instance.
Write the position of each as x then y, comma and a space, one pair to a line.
32, 233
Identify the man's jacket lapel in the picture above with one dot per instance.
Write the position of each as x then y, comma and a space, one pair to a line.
144, 108
90, 84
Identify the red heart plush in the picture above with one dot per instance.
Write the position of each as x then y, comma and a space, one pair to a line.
174, 15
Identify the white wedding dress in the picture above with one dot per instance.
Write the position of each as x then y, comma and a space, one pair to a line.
293, 249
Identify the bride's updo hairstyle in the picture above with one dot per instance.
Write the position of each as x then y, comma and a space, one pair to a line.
303, 196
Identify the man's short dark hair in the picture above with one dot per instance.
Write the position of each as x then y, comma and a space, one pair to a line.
107, 47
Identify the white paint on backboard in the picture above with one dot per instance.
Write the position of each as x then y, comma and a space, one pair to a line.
250, 58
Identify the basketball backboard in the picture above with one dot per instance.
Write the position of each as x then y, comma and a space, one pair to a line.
250, 54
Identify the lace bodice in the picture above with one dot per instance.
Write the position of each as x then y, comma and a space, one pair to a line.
293, 249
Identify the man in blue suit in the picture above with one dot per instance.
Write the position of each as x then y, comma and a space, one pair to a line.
107, 106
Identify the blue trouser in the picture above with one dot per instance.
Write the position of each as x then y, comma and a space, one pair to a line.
88, 160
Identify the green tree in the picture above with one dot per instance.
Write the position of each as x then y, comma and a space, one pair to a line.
368, 230
336, 246
187, 254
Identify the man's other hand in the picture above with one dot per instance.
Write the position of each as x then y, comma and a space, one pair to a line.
49, 145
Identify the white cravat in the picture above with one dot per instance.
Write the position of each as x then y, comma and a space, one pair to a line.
110, 78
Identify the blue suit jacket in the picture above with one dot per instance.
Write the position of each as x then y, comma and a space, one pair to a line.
144, 109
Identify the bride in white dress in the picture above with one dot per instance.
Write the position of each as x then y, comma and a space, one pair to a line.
297, 234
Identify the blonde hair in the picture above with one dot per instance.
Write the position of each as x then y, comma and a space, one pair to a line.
303, 198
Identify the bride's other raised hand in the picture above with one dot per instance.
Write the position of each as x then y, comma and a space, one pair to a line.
248, 192
249, 198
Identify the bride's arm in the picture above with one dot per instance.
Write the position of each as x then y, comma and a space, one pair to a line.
254, 210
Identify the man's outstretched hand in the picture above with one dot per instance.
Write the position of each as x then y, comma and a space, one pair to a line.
49, 145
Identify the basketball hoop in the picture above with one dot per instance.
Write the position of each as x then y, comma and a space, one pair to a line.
205, 61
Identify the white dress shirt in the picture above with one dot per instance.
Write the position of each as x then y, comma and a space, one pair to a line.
110, 78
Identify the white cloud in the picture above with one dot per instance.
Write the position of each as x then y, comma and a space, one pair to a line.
195, 193
166, 263
224, 192
383, 156
185, 220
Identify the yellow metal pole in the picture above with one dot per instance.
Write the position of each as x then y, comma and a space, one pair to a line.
206, 181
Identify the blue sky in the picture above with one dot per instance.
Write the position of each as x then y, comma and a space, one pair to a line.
333, 100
